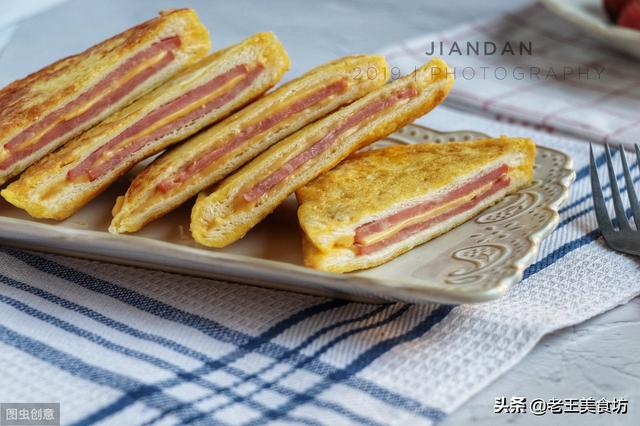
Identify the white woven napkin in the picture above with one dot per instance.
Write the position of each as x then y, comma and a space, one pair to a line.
557, 78
129, 346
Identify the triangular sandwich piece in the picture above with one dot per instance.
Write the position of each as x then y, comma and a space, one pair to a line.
44, 110
381, 203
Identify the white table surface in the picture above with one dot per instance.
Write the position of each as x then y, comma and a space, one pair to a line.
598, 357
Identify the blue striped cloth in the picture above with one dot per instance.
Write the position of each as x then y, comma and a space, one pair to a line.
122, 345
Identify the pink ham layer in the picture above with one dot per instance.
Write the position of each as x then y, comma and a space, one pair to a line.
382, 224
94, 169
499, 180
203, 161
323, 144
57, 130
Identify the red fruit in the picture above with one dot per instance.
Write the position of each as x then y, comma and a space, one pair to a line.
614, 7
630, 15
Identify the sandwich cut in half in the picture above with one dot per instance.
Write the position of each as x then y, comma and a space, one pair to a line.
208, 157
381, 203
248, 196
204, 93
49, 107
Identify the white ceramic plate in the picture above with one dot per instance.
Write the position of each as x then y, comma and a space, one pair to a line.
591, 17
478, 261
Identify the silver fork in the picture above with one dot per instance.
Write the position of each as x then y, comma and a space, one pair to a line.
626, 239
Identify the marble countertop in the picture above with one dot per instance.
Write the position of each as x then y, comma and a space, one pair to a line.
598, 357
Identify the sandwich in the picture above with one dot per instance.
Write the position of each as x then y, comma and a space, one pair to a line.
249, 195
381, 203
204, 93
208, 157
44, 110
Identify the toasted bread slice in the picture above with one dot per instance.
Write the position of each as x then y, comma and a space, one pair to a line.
210, 90
246, 197
183, 171
47, 108
381, 203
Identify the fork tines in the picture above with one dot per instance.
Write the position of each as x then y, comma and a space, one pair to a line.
626, 239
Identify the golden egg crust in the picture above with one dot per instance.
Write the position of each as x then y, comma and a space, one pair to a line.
44, 191
28, 100
378, 182
142, 203
217, 220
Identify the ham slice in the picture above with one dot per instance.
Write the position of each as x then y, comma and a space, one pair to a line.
384, 223
203, 161
323, 144
111, 153
497, 178
105, 93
